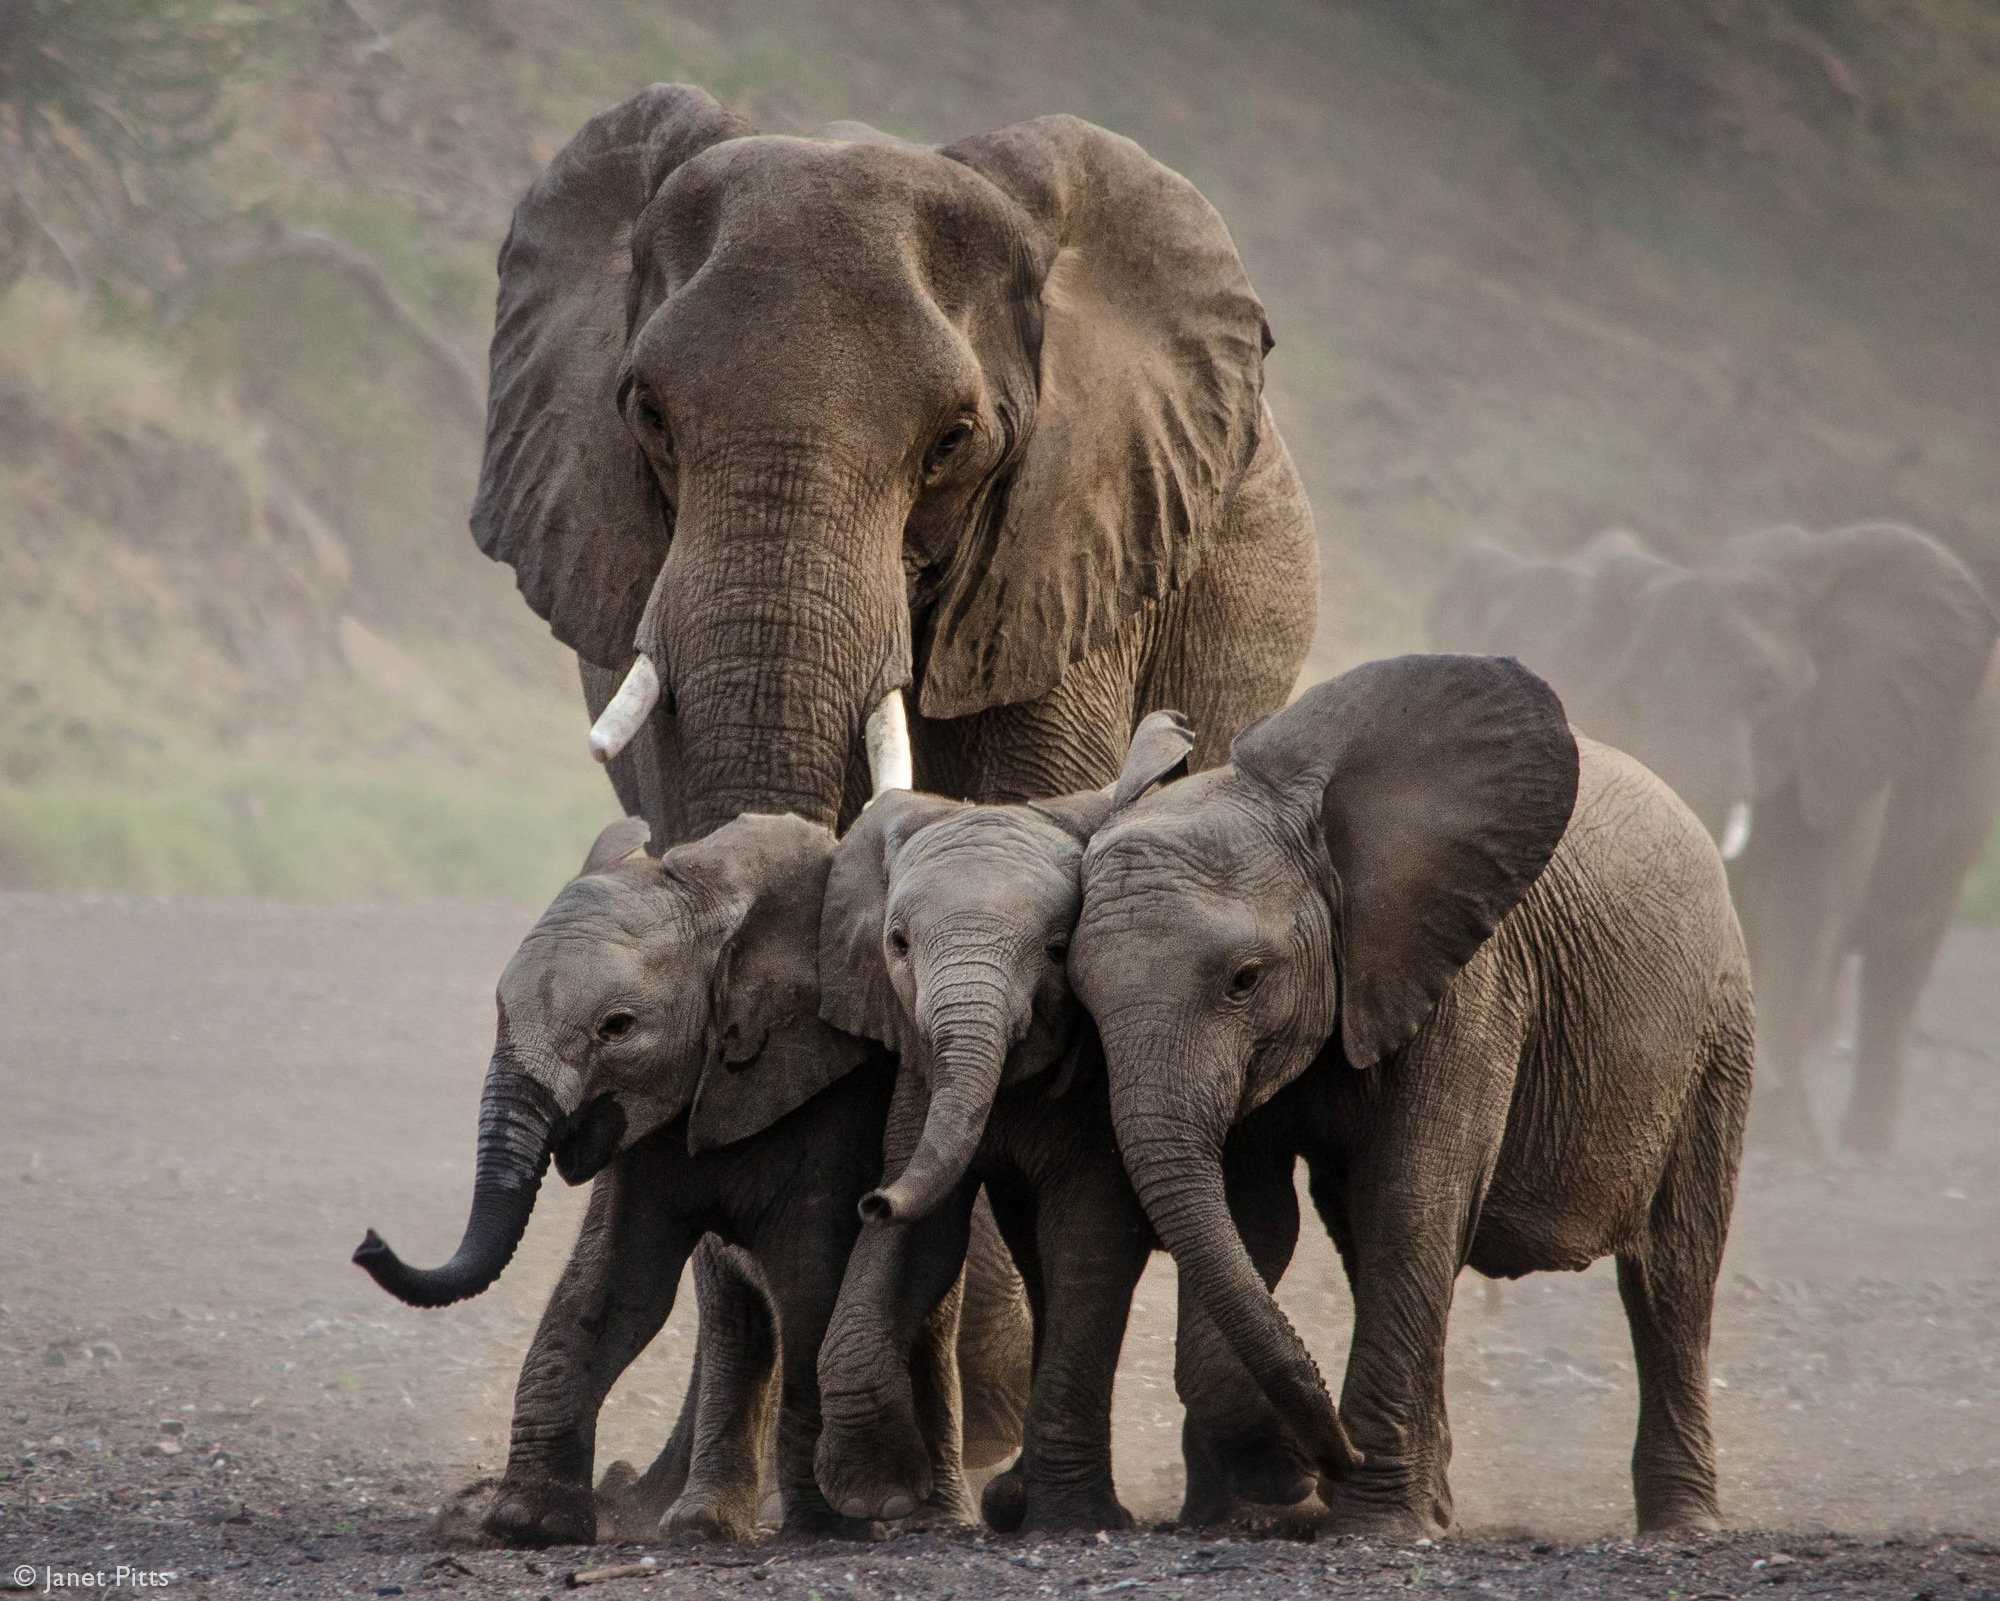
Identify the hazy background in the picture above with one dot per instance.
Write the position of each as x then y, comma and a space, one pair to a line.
1534, 269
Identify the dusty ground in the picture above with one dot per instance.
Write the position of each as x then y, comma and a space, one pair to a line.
206, 1102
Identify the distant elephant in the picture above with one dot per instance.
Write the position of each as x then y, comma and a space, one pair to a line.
1829, 706
778, 427
944, 936
666, 1013
1484, 977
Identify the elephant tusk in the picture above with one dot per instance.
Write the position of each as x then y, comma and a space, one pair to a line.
1736, 831
887, 736
628, 711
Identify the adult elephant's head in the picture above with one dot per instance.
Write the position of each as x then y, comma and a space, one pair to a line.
779, 426
647, 989
1320, 893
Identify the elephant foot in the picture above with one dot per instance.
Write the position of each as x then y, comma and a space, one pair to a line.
1870, 1137
822, 1523
1050, 1511
884, 1475
1268, 1473
527, 1513
627, 1508
1014, 1504
1004, 1502
1781, 1122
1383, 1515
1669, 1522
711, 1518
1668, 1509
1225, 1477
459, 1522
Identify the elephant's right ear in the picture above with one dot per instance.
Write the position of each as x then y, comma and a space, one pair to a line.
614, 843
565, 496
1900, 634
1159, 751
1442, 785
855, 994
1149, 346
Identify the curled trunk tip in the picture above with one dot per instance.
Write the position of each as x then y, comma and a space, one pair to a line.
518, 1118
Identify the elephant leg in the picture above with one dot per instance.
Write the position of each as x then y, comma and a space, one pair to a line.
631, 1504
1934, 832
1789, 886
1234, 1443
1091, 1241
937, 1398
1403, 1210
736, 1389
875, 1458
1667, 1281
1004, 1501
612, 1299
996, 1339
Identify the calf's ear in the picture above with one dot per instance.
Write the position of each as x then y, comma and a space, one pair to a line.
1440, 786
855, 993
614, 843
764, 882
1158, 754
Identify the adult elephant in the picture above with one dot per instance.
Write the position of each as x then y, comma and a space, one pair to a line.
1829, 706
781, 427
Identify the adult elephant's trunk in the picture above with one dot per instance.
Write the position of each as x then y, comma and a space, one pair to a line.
969, 1025
777, 625
518, 1121
1175, 1162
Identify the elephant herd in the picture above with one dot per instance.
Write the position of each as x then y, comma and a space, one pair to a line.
918, 1027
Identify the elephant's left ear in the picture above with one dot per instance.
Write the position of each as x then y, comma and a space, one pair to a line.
768, 1053
1443, 785
1151, 378
1900, 635
855, 993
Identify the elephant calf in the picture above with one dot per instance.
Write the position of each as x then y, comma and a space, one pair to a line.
945, 936
660, 1027
1485, 978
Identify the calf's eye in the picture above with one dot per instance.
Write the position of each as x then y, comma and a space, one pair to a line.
899, 942
1244, 980
1057, 951
616, 1026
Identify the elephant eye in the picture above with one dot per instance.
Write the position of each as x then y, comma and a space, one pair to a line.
899, 942
1244, 980
948, 444
1057, 951
616, 1026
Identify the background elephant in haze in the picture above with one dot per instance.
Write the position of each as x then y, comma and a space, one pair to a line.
666, 1013
1829, 706
1486, 979
780, 426
944, 936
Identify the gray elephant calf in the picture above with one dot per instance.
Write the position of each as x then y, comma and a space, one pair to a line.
660, 1026
945, 936
1486, 979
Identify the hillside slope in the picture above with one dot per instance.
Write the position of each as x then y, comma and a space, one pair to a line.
1535, 269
